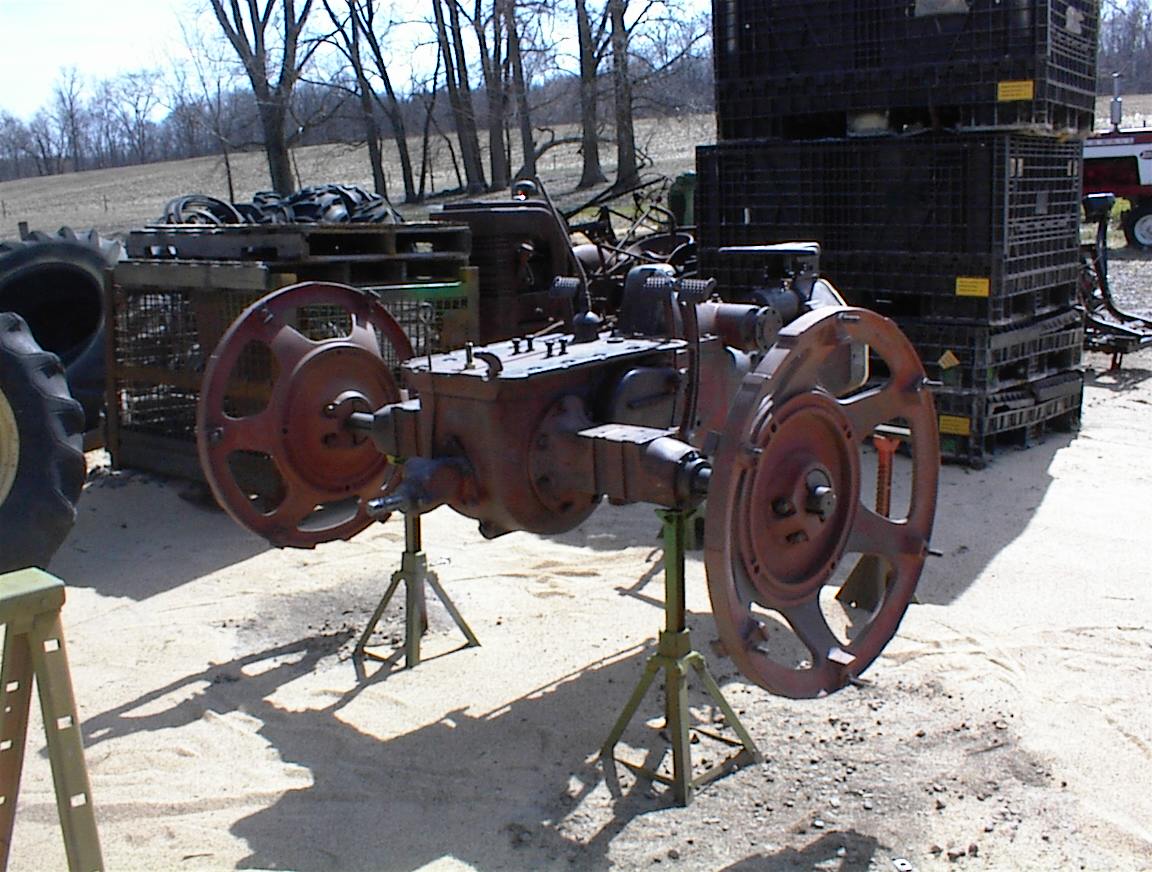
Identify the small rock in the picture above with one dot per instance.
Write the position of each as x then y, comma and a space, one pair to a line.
936, 849
940, 805
673, 854
818, 824
973, 850
955, 855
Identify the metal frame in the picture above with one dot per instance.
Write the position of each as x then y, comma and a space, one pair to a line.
414, 574
676, 656
30, 602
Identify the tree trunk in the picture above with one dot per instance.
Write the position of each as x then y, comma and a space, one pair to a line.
627, 171
466, 129
367, 107
462, 114
520, 95
492, 67
391, 107
593, 173
276, 146
248, 37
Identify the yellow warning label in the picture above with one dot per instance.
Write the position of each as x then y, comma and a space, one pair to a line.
948, 360
973, 286
1021, 89
955, 425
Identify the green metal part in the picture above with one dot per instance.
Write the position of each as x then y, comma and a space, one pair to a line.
414, 574
30, 602
676, 657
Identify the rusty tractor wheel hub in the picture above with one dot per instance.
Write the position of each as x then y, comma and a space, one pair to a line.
315, 474
785, 502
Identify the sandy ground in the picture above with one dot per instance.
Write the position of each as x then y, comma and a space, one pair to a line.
1007, 726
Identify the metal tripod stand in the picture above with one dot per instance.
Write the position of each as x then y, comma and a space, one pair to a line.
414, 574
676, 656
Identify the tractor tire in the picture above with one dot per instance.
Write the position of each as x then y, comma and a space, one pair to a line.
42, 466
56, 284
1137, 224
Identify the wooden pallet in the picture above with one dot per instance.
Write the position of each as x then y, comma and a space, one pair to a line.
302, 243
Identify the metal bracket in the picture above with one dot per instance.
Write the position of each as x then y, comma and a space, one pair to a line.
414, 574
676, 657
30, 602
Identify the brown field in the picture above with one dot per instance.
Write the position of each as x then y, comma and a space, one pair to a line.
117, 200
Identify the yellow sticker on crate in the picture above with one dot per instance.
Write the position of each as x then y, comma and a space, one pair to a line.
1018, 89
955, 425
973, 286
948, 360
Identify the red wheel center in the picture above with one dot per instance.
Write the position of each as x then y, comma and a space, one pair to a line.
801, 502
325, 386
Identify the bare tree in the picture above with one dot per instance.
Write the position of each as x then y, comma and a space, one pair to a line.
627, 167
70, 116
15, 144
1126, 45
519, 91
249, 29
203, 93
138, 96
45, 145
363, 34
450, 40
591, 43
491, 48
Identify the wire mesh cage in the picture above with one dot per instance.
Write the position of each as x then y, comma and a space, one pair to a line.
168, 316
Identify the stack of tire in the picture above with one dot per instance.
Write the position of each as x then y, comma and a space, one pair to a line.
51, 385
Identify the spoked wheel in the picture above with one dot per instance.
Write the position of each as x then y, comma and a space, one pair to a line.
789, 516
283, 462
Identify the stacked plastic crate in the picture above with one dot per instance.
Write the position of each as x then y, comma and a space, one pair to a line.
933, 148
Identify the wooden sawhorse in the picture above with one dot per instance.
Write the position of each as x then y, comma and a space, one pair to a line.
30, 602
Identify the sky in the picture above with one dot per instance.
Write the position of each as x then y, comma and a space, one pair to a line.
41, 38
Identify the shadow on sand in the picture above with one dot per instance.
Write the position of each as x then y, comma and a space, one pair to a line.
135, 537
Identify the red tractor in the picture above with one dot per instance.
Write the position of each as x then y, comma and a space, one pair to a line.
1120, 162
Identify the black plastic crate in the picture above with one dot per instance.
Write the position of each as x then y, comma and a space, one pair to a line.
973, 424
967, 291
971, 220
906, 287
990, 360
979, 193
877, 55
840, 105
769, 38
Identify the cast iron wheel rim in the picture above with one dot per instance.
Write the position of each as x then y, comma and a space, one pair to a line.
783, 396
42, 467
300, 430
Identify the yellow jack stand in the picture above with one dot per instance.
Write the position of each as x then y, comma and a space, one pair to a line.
675, 655
414, 574
30, 602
